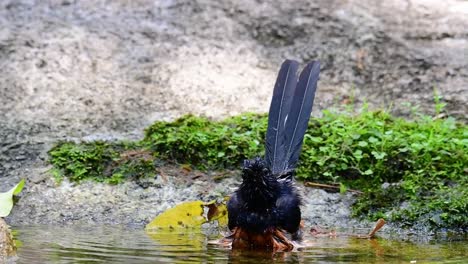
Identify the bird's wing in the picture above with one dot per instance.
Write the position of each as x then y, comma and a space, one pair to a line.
234, 207
288, 209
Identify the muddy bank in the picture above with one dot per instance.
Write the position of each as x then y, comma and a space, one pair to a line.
107, 69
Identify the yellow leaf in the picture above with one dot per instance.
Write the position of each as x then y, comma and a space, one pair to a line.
190, 215
185, 215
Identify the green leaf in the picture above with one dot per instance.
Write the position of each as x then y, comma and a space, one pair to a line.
358, 154
378, 155
362, 144
405, 149
6, 199
343, 188
316, 139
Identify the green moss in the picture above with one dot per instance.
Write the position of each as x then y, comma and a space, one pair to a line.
207, 144
81, 161
420, 164
100, 161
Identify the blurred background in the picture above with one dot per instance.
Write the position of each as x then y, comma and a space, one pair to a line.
107, 69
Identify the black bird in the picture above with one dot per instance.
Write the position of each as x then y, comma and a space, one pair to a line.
266, 203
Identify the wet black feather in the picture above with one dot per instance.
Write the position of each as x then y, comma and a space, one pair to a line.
265, 200
252, 206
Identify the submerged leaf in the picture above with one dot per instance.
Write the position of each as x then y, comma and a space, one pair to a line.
179, 240
6, 199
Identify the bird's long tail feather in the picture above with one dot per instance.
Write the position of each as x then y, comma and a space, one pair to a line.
299, 114
290, 110
283, 93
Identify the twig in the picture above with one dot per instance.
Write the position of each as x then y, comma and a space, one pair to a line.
327, 186
380, 223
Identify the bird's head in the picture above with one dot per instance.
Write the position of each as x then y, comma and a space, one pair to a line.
259, 188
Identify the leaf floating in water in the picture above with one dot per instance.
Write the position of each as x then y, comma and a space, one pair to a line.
6, 199
190, 215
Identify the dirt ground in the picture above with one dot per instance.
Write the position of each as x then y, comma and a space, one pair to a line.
84, 70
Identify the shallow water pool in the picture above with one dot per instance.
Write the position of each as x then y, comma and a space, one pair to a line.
110, 244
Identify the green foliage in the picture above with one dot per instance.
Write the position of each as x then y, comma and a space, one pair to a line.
80, 161
441, 208
100, 161
208, 144
420, 164
133, 164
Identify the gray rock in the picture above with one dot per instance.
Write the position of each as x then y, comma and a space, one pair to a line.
106, 70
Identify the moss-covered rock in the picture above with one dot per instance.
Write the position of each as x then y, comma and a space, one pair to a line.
409, 170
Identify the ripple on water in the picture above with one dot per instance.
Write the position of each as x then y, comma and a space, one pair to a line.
48, 244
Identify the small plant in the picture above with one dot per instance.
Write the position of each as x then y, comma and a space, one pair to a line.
439, 105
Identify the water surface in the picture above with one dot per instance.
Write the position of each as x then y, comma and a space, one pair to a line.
111, 244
